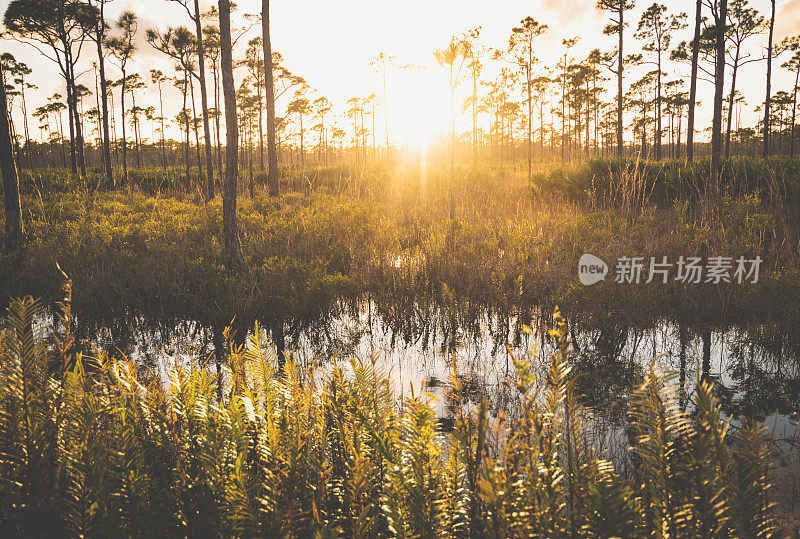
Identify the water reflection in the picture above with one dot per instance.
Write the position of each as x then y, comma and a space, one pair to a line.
756, 369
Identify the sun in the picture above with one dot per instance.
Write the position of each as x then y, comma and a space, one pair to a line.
418, 103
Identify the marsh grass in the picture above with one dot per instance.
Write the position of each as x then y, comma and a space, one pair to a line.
380, 233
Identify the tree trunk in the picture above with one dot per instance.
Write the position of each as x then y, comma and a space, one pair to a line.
73, 164
8, 167
163, 134
186, 147
217, 118
474, 113
25, 125
196, 129
719, 86
204, 102
272, 153
230, 226
530, 117
765, 150
658, 109
124, 136
109, 174
78, 145
698, 21
135, 114
620, 68
731, 97
260, 128
794, 111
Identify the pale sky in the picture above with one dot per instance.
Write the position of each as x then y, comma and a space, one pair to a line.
331, 42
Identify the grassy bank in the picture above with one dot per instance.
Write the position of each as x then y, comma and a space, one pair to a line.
91, 446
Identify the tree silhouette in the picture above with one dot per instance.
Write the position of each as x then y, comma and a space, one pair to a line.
793, 64
381, 62
521, 46
693, 81
321, 108
617, 26
98, 34
255, 67
655, 29
211, 49
474, 52
301, 107
158, 78
122, 48
452, 57
178, 44
564, 64
57, 29
765, 150
196, 17
743, 22
720, 12
17, 72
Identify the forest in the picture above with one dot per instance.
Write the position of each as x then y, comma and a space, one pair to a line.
235, 307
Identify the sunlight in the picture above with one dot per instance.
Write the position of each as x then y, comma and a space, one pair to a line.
419, 107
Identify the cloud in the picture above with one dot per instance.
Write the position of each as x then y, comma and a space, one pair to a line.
569, 12
787, 19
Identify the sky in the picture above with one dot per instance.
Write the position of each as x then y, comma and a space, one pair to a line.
331, 42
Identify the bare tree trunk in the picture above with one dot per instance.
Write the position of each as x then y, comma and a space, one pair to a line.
78, 143
163, 134
693, 85
530, 116
620, 68
196, 129
204, 102
8, 167
230, 228
658, 110
731, 97
124, 136
259, 88
719, 86
794, 111
217, 118
25, 125
765, 150
73, 164
104, 98
474, 114
135, 115
272, 179
186, 147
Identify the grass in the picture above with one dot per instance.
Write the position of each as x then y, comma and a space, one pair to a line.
346, 232
97, 446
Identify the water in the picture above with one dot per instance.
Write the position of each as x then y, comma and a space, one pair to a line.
756, 369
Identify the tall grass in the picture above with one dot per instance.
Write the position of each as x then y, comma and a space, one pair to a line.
383, 233
602, 180
92, 445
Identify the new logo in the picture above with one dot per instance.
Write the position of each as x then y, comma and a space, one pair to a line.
591, 270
